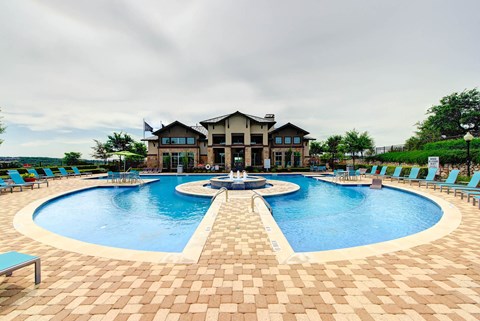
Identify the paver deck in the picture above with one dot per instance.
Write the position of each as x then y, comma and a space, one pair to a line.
238, 277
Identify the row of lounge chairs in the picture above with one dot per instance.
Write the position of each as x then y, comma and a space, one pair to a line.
17, 180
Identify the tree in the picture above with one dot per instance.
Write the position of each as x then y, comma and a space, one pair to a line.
365, 142
332, 145
100, 151
351, 142
119, 142
316, 148
2, 128
288, 157
456, 114
72, 158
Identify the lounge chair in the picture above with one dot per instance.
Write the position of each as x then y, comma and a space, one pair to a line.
18, 180
383, 171
471, 186
5, 186
413, 175
12, 261
77, 171
34, 172
373, 171
66, 174
396, 173
362, 172
49, 174
469, 194
451, 179
430, 177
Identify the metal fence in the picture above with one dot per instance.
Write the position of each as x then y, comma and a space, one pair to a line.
391, 148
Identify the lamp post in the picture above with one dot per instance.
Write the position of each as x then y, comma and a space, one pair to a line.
468, 138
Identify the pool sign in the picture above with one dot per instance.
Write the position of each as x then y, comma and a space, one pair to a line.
266, 163
434, 162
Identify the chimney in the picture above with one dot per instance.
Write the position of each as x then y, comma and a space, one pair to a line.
270, 117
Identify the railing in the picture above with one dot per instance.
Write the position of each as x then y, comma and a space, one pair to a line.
220, 191
255, 196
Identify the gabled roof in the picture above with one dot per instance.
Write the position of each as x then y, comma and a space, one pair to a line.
291, 126
200, 129
150, 138
268, 121
177, 123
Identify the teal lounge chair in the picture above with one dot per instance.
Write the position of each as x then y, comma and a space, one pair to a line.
77, 171
451, 179
12, 261
430, 177
5, 186
469, 194
17, 179
372, 171
49, 174
396, 173
66, 174
471, 186
383, 171
34, 172
413, 175
21, 186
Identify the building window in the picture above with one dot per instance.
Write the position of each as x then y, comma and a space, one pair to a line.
238, 139
297, 159
256, 140
278, 140
288, 140
296, 140
175, 159
178, 140
166, 160
190, 140
218, 139
165, 140
278, 158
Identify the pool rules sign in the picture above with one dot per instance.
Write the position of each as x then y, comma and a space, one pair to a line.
434, 162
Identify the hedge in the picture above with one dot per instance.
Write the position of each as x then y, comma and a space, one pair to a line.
459, 144
453, 156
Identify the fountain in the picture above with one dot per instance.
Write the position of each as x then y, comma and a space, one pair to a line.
240, 182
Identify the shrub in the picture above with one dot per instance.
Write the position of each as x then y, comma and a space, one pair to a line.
452, 144
454, 156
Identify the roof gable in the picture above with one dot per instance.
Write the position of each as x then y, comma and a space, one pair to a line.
289, 125
257, 119
177, 123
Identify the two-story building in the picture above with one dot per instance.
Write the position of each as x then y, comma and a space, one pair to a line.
232, 141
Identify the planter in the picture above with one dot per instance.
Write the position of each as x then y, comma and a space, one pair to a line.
29, 179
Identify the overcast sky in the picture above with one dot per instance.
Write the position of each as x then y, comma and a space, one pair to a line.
74, 71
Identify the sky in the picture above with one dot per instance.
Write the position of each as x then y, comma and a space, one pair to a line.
75, 71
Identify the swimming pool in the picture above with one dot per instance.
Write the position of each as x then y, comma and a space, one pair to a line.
320, 216
324, 216
152, 218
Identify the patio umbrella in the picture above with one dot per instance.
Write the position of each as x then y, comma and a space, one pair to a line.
125, 153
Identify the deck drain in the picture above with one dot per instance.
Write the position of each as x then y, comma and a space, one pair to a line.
275, 246
207, 229
268, 228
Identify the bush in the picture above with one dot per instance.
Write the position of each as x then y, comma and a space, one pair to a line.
454, 156
452, 144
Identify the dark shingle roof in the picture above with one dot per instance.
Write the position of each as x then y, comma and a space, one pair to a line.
177, 123
289, 125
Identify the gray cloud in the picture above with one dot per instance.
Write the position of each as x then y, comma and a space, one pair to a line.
326, 66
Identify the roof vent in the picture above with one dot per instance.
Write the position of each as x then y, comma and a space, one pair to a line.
270, 116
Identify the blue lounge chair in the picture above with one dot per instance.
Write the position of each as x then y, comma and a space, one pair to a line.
383, 171
49, 174
34, 172
12, 261
471, 186
413, 174
372, 171
18, 180
430, 177
451, 179
5, 186
396, 173
77, 171
66, 174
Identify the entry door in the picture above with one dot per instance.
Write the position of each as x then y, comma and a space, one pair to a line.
238, 160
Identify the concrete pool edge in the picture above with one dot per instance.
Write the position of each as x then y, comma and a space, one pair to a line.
23, 222
285, 254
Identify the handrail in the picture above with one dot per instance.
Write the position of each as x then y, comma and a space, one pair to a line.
256, 195
220, 191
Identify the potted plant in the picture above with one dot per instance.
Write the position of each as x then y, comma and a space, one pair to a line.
28, 177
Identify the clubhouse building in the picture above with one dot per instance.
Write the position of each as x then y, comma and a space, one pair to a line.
229, 142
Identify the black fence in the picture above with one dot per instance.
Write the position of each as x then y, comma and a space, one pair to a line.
391, 148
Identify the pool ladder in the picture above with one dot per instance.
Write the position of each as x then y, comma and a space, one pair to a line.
220, 191
255, 196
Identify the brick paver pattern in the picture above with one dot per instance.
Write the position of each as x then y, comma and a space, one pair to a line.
239, 278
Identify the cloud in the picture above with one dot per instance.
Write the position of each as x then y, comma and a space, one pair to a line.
73, 66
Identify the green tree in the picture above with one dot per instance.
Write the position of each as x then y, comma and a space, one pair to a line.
72, 158
453, 117
351, 143
365, 142
316, 148
332, 145
2, 127
100, 151
119, 142
288, 157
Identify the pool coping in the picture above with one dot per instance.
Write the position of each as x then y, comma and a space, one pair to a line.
23, 222
285, 254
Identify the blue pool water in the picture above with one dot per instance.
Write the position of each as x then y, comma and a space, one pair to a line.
323, 216
320, 216
151, 218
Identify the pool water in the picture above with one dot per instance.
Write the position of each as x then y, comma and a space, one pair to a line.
323, 216
152, 218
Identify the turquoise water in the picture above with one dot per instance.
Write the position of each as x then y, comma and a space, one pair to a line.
324, 216
320, 216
